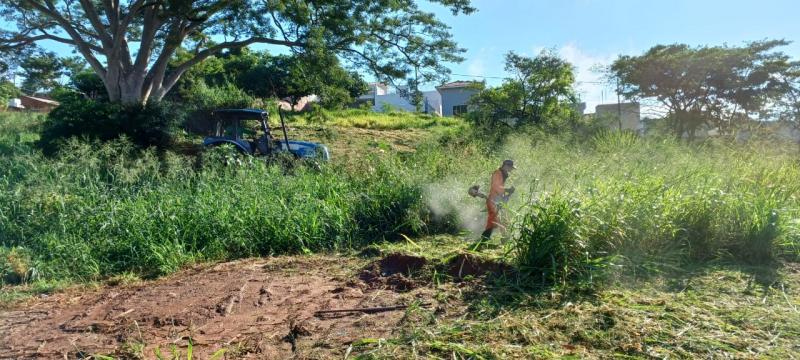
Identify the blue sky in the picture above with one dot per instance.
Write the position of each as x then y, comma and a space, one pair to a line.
590, 32
594, 32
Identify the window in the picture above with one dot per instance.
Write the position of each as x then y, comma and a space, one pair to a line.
459, 110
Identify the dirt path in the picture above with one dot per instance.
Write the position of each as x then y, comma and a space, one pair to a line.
259, 308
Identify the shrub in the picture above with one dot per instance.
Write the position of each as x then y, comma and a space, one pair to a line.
202, 99
15, 266
153, 124
7, 92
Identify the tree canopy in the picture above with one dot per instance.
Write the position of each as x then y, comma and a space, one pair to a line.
41, 72
283, 76
706, 85
386, 37
539, 90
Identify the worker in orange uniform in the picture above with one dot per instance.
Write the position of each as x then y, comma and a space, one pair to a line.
497, 193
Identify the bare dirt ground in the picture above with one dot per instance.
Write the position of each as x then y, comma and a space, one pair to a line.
257, 308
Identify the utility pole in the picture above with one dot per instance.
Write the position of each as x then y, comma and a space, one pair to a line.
619, 107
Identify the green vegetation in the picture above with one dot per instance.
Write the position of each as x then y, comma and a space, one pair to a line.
646, 204
617, 246
723, 86
365, 34
708, 311
538, 91
96, 210
367, 119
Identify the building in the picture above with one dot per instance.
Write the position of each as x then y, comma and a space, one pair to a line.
447, 100
382, 100
376, 89
15, 105
431, 103
456, 95
625, 115
31, 103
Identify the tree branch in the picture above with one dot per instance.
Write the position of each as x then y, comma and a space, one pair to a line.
84, 47
99, 27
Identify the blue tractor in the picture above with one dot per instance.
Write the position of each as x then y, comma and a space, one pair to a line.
248, 131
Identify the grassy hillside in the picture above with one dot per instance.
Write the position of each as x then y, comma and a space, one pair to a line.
615, 247
581, 206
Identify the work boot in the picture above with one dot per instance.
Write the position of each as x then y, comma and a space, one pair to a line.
487, 234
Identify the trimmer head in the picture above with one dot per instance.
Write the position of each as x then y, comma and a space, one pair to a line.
475, 191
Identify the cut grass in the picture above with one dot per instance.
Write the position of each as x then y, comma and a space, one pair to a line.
717, 311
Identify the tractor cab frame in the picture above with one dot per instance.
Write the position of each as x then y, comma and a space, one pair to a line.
229, 129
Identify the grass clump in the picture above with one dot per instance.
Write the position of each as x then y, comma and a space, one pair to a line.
367, 119
550, 242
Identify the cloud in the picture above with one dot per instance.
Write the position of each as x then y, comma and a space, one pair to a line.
589, 80
476, 67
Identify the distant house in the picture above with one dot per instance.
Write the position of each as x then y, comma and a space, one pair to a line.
31, 103
431, 103
381, 100
15, 105
456, 95
628, 115
375, 89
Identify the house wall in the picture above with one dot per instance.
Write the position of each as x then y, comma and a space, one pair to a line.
432, 99
455, 97
631, 115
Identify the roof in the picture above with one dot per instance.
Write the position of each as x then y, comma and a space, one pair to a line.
46, 101
457, 85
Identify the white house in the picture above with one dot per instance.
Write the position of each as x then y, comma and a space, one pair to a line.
382, 100
447, 100
456, 95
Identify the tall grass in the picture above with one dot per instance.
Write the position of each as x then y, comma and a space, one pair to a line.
367, 119
97, 210
655, 204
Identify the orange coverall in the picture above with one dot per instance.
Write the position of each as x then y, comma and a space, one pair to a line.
496, 192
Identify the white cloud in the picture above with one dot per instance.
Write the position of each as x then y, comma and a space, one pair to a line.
588, 79
476, 67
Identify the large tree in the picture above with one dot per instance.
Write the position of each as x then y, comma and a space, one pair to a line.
705, 85
386, 37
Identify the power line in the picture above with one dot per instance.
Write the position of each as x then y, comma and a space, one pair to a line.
479, 76
503, 78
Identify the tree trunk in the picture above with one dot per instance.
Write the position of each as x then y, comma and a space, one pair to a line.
130, 90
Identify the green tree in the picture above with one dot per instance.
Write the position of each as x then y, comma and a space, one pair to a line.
89, 84
705, 85
787, 107
41, 72
386, 37
283, 76
540, 91
7, 92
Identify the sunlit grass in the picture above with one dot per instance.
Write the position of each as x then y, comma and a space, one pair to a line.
367, 119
